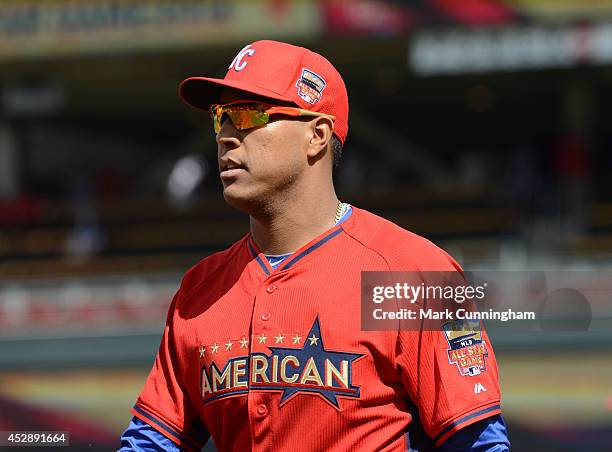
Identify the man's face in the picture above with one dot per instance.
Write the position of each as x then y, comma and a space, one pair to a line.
257, 164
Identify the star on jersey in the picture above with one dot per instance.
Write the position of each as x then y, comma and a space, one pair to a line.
312, 359
244, 342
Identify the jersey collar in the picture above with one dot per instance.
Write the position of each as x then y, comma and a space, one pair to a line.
295, 257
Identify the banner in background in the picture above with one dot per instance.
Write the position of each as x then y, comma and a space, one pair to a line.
511, 48
385, 17
33, 29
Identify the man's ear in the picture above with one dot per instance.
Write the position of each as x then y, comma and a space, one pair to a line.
320, 130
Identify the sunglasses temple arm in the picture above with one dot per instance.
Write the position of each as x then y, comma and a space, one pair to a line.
314, 113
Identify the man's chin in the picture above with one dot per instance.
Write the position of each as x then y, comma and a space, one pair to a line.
237, 198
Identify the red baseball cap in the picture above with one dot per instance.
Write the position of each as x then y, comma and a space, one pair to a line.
279, 71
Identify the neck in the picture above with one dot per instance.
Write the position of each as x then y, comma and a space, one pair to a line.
287, 224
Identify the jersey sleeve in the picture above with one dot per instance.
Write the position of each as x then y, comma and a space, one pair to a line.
164, 402
451, 386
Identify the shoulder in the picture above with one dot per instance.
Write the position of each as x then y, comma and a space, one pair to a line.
400, 248
210, 267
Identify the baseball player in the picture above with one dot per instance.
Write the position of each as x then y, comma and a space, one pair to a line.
263, 347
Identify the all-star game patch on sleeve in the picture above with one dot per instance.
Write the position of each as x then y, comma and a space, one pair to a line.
451, 376
163, 403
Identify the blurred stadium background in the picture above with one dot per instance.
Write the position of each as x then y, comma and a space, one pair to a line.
484, 125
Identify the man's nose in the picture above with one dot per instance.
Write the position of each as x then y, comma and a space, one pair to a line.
228, 137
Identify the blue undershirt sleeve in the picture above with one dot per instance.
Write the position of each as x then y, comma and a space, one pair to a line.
141, 437
487, 435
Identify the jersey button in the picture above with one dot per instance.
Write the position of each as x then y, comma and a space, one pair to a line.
271, 288
266, 316
262, 410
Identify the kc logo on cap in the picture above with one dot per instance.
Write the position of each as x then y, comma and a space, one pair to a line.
237, 63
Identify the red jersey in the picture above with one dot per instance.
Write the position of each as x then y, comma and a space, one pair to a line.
269, 359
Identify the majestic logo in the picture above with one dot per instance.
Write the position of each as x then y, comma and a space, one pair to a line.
310, 86
309, 369
478, 388
467, 349
237, 63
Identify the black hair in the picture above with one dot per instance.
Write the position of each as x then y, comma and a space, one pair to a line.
336, 146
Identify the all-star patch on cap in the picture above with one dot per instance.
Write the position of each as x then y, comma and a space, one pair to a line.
279, 71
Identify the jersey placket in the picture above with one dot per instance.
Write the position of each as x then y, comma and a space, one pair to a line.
263, 406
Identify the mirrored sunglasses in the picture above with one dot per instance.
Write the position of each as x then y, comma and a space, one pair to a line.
247, 114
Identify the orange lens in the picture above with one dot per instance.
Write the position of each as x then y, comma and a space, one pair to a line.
247, 119
216, 112
243, 117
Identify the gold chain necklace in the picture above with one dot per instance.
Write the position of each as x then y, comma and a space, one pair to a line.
339, 211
